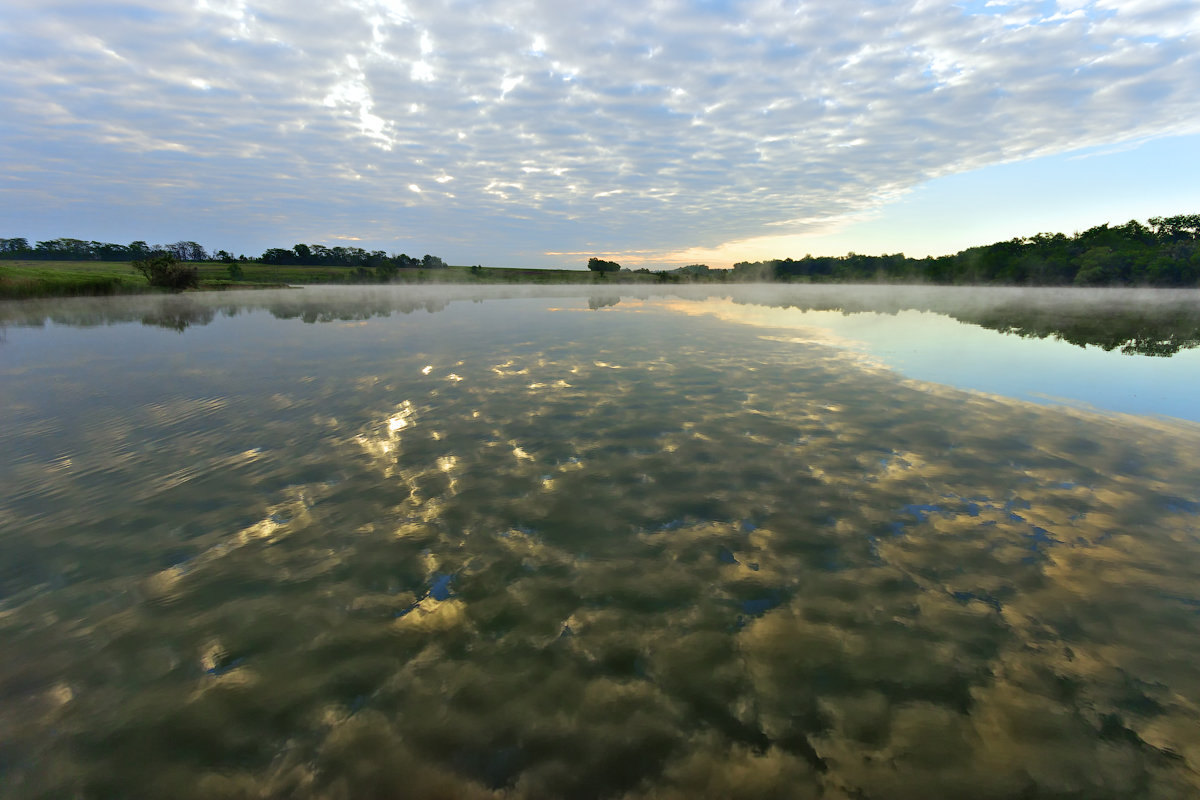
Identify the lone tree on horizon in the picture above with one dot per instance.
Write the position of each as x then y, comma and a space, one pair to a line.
599, 265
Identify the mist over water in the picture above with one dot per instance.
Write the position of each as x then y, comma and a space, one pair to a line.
605, 545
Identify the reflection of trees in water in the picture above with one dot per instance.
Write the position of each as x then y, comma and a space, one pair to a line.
1134, 324
602, 301
175, 312
179, 314
1161, 328
353, 310
1138, 332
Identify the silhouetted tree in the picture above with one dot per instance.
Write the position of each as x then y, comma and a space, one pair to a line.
600, 265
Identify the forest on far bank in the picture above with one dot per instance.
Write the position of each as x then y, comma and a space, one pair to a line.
1163, 252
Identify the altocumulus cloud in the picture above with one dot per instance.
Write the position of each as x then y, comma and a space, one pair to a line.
503, 129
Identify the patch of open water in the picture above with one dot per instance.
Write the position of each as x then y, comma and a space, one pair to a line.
584, 546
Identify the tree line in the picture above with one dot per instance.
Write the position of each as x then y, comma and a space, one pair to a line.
316, 255
1164, 252
300, 255
81, 250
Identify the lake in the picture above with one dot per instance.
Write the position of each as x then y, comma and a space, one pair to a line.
837, 542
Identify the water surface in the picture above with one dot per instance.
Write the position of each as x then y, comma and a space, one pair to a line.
584, 546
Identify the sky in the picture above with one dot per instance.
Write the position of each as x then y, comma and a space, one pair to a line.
652, 132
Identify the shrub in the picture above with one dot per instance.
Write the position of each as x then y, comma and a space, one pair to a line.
163, 269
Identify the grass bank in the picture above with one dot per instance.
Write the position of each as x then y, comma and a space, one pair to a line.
30, 279
25, 279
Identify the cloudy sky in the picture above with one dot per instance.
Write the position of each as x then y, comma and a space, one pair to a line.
527, 133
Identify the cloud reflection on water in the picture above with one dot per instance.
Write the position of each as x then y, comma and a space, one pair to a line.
732, 565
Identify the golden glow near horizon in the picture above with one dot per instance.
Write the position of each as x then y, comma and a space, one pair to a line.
830, 238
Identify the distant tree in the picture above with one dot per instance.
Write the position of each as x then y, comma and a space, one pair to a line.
277, 256
432, 262
1179, 227
235, 270
1099, 266
186, 251
64, 250
106, 251
600, 265
752, 271
14, 248
165, 270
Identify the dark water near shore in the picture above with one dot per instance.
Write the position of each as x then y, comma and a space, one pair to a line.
600, 546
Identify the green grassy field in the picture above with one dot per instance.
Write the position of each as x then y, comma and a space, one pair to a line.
21, 279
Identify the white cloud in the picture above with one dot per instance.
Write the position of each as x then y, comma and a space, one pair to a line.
510, 82
751, 118
421, 71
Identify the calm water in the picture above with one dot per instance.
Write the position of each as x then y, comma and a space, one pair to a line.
352, 544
